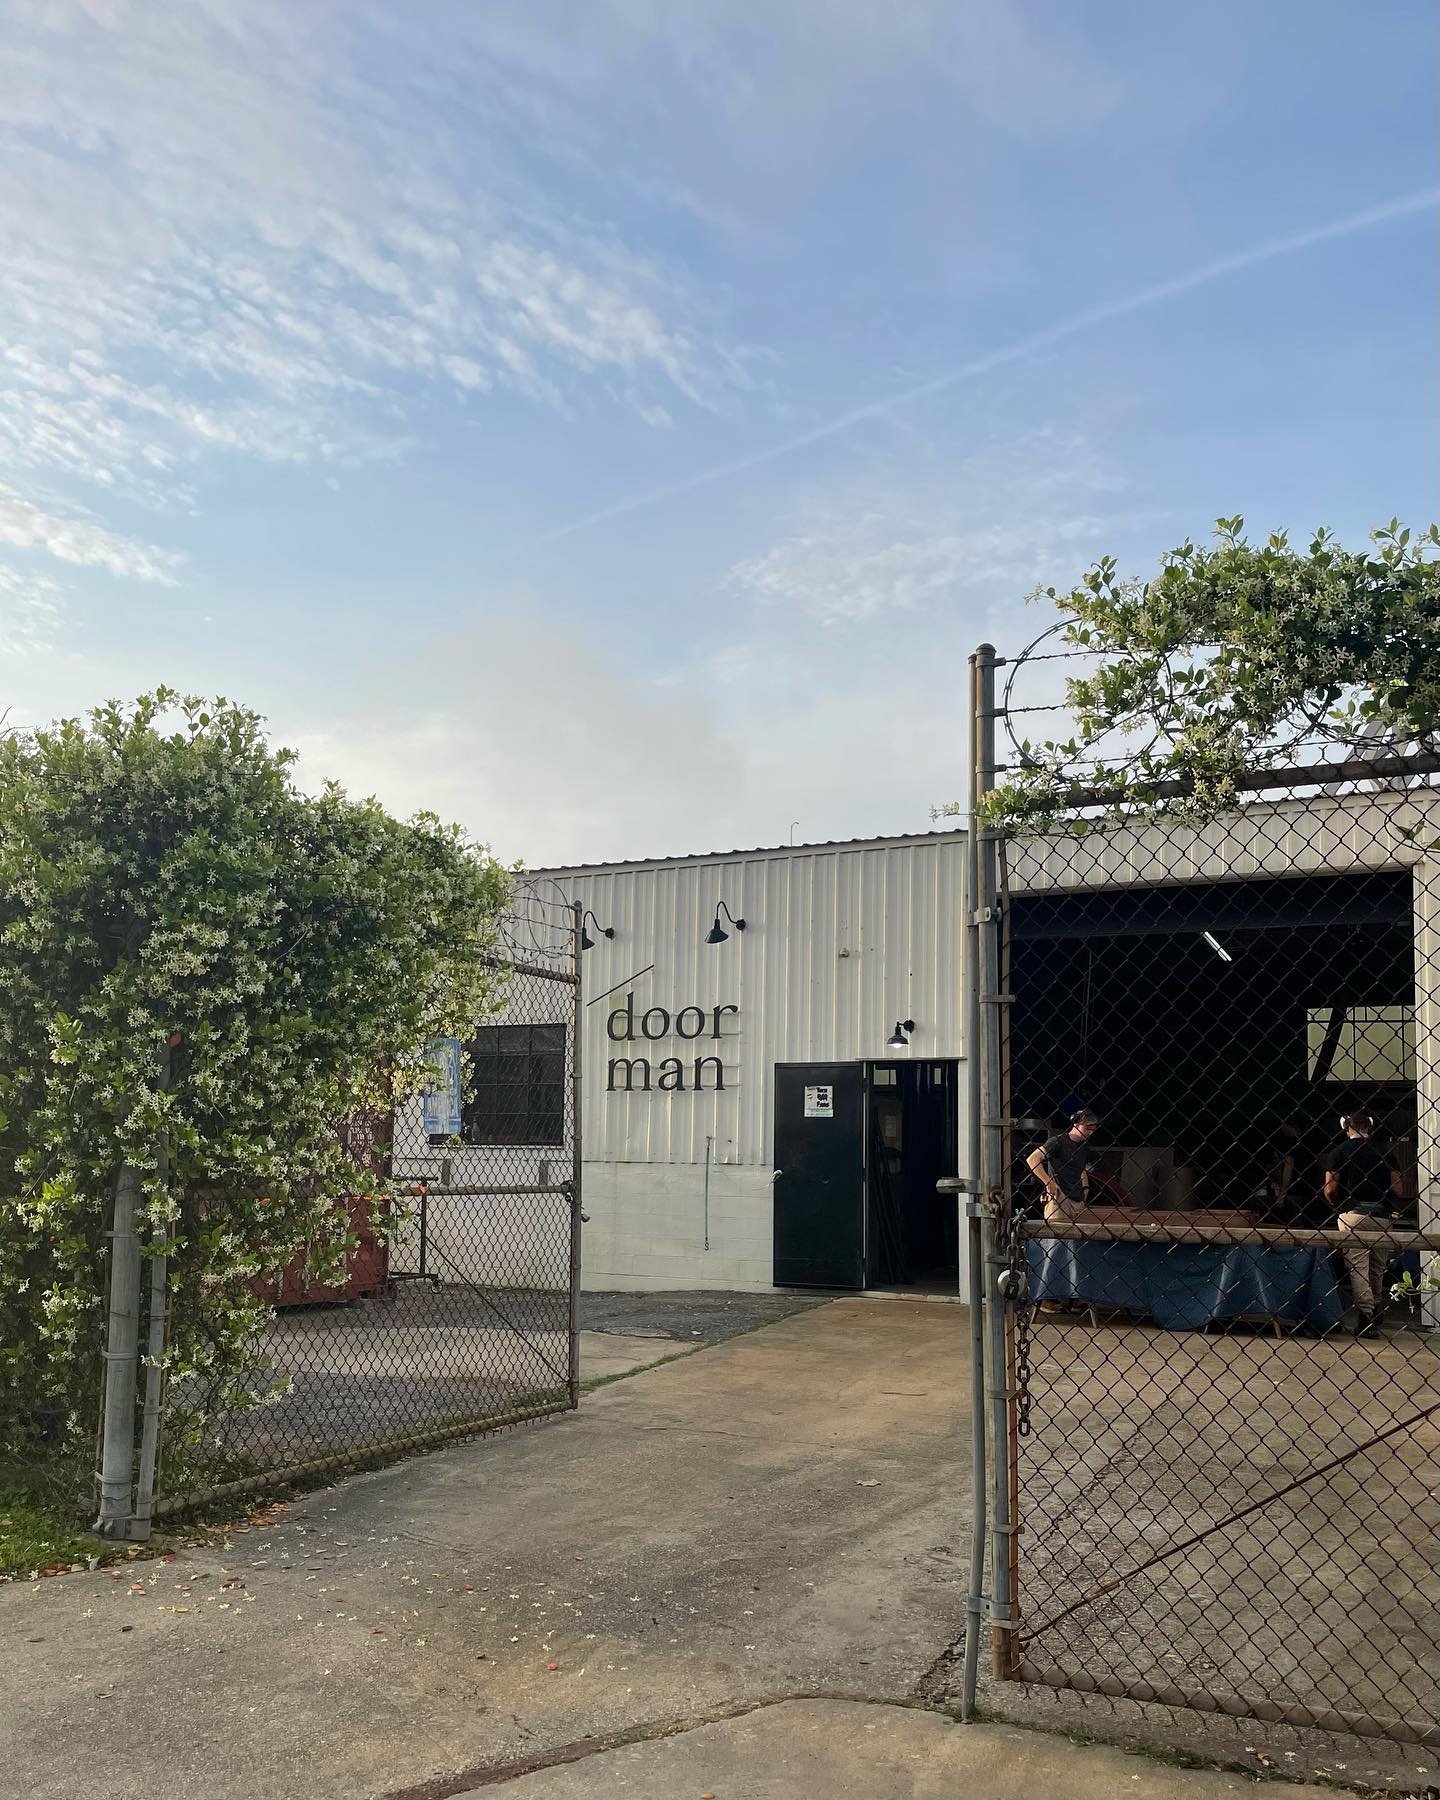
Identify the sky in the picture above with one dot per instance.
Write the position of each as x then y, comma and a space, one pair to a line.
611, 423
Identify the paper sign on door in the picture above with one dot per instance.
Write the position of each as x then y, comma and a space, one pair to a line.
819, 1103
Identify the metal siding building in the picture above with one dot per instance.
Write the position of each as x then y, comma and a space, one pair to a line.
841, 941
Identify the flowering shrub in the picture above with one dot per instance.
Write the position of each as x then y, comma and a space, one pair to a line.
1234, 659
203, 974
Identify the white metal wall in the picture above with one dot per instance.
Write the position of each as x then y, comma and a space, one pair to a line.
840, 942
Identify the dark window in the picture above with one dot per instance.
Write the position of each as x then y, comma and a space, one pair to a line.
518, 1076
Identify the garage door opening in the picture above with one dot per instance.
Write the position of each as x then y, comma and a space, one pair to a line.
1199, 1021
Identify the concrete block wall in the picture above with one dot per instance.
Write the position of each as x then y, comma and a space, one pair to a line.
499, 1241
645, 1232
646, 1227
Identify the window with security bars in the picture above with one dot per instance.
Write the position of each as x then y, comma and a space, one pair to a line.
516, 1090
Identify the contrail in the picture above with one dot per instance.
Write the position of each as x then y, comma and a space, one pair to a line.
1423, 201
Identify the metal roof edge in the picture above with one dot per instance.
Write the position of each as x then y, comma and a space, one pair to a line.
1385, 800
637, 863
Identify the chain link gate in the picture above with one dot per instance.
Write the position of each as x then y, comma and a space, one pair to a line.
462, 1317
1211, 1331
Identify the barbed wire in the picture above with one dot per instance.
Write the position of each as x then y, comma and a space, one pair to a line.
1316, 734
538, 923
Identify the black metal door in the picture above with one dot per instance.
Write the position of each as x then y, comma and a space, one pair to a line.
820, 1180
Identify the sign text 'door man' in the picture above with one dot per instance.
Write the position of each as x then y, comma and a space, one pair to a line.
633, 1073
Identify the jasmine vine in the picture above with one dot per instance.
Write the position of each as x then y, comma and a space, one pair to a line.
1233, 658
210, 976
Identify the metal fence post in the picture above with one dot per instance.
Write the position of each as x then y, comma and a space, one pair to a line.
1425, 890
577, 1163
975, 1250
121, 1355
999, 1345
157, 1330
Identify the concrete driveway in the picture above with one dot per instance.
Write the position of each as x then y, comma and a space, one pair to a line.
777, 1516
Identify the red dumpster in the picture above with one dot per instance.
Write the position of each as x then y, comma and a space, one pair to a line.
367, 1270
367, 1267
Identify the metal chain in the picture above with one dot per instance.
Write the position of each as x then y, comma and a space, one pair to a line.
1014, 1286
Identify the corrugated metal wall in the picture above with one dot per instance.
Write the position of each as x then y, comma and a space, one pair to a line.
1330, 836
843, 940
840, 942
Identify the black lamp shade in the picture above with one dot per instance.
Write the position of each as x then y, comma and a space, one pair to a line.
897, 1039
586, 941
717, 933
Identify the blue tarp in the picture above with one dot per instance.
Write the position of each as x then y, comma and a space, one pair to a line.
1186, 1286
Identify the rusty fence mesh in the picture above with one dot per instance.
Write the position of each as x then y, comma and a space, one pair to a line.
1219, 1296
456, 1313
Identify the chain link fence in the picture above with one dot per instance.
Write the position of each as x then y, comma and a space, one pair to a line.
1209, 1070
457, 1310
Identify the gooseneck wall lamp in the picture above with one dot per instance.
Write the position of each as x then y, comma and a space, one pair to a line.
586, 941
717, 933
897, 1039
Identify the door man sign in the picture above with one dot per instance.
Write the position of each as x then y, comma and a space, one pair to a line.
632, 1074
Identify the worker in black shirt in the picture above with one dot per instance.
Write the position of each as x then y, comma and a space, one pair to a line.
1363, 1184
1063, 1165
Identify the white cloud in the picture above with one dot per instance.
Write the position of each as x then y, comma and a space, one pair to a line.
850, 569
532, 738
295, 213
27, 526
255, 230
265, 216
997, 523
465, 372
547, 748
31, 612
540, 739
